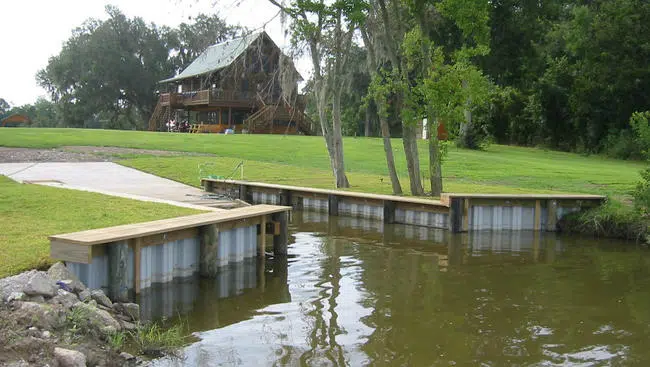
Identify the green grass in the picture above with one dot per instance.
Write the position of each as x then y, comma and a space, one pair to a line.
31, 213
186, 170
155, 341
302, 160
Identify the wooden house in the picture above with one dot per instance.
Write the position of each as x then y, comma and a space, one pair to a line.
245, 84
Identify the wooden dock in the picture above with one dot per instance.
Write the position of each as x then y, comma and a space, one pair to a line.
132, 257
455, 212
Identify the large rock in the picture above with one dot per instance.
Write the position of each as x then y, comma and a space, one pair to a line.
96, 319
60, 273
16, 296
14, 284
99, 296
69, 358
84, 295
132, 310
40, 284
40, 315
65, 298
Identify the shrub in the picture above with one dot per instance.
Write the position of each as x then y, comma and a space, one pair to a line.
633, 143
612, 219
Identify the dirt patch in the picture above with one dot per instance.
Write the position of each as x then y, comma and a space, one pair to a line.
81, 154
17, 155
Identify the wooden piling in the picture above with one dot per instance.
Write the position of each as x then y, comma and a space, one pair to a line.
538, 216
137, 256
551, 212
244, 193
333, 204
118, 256
281, 239
456, 215
261, 246
209, 252
389, 211
285, 197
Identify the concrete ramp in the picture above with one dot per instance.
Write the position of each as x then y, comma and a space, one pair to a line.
116, 180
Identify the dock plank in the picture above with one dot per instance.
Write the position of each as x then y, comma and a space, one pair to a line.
326, 192
129, 231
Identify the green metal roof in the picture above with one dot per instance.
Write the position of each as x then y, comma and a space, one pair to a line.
217, 57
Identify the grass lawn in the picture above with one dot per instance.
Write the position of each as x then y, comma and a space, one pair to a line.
301, 160
30, 213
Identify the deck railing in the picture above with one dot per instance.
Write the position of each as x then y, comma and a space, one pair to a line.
207, 96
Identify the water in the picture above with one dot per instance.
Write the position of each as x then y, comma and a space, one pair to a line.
352, 295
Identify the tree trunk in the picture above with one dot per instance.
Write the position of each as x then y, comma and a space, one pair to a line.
435, 161
409, 140
338, 163
464, 136
390, 160
383, 123
366, 130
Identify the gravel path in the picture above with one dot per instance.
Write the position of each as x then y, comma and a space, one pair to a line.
78, 154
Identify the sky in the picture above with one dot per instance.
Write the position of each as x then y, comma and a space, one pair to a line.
35, 30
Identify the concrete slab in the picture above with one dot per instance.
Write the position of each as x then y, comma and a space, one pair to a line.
111, 179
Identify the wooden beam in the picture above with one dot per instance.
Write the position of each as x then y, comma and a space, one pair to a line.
333, 204
389, 211
209, 251
137, 256
70, 252
466, 215
538, 215
280, 240
455, 215
246, 222
118, 256
160, 238
551, 212
229, 116
262, 244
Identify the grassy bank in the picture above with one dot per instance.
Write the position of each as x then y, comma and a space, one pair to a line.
30, 213
302, 160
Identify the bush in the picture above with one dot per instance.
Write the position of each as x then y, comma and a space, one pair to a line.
623, 145
612, 219
633, 143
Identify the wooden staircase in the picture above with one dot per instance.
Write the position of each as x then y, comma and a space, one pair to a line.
159, 117
264, 116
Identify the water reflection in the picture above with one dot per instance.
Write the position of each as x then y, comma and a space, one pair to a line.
356, 292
